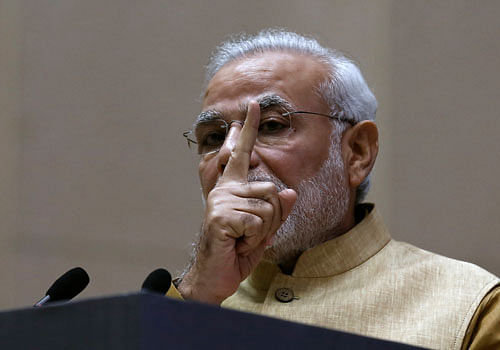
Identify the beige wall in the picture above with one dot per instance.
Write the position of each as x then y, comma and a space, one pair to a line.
446, 116
101, 91
10, 113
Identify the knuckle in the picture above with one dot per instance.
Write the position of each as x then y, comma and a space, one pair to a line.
256, 202
251, 222
215, 218
217, 190
219, 218
268, 209
236, 154
217, 202
221, 195
263, 187
213, 194
246, 219
270, 188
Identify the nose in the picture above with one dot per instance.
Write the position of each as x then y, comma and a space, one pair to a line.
228, 146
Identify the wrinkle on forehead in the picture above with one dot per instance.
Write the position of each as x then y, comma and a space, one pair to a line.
273, 70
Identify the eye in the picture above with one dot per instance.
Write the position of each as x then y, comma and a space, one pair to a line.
214, 138
274, 125
211, 142
210, 136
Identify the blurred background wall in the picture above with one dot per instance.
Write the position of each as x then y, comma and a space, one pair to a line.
95, 94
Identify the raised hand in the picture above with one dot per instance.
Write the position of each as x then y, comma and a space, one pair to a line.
240, 220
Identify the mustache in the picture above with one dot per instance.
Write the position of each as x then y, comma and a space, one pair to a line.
256, 175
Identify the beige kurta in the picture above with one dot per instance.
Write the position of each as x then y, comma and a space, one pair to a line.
364, 282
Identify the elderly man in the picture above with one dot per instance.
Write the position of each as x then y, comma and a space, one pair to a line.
287, 142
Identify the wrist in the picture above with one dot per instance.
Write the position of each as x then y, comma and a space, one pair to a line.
192, 289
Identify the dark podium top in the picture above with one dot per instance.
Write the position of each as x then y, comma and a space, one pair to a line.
144, 321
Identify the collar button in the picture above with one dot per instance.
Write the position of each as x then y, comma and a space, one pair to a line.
285, 295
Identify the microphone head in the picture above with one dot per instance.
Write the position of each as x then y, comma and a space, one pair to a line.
157, 281
69, 285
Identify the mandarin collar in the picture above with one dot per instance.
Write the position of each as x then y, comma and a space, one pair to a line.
347, 251
335, 256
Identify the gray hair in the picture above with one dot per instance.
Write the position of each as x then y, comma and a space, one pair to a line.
344, 90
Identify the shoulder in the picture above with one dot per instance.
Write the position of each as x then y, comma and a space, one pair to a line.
409, 257
449, 290
454, 286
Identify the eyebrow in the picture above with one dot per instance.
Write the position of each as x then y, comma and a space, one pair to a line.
265, 102
207, 116
273, 101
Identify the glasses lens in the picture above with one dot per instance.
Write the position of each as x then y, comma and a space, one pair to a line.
274, 129
210, 135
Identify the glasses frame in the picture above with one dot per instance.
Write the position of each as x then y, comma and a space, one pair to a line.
187, 134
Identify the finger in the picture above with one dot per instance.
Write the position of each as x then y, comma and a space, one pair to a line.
257, 189
287, 199
262, 200
247, 229
239, 161
253, 221
258, 192
265, 210
242, 227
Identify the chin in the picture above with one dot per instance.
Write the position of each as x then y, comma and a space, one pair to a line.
281, 255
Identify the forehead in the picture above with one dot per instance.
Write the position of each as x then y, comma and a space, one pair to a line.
291, 76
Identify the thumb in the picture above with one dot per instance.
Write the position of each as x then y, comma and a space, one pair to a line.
287, 200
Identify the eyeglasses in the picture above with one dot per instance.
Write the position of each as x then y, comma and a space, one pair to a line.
207, 137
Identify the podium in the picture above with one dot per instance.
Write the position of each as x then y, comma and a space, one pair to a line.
146, 321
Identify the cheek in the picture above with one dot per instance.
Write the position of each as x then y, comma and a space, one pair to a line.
295, 163
207, 171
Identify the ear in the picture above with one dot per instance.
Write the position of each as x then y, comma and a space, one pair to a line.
360, 149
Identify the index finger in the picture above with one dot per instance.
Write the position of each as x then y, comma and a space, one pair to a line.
239, 161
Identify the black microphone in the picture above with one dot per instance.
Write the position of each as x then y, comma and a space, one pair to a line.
157, 281
66, 287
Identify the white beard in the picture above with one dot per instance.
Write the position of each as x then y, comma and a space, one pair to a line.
321, 205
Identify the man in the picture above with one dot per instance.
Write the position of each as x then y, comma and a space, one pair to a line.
287, 142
